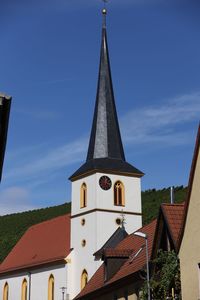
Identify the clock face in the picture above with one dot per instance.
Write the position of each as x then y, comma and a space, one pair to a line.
105, 182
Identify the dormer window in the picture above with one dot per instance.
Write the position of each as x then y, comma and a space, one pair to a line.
83, 195
119, 194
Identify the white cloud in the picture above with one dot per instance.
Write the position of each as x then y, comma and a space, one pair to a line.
48, 161
38, 114
163, 123
14, 199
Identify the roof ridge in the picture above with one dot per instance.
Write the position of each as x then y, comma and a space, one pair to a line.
155, 219
174, 204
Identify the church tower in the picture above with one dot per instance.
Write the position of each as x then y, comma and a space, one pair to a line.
105, 189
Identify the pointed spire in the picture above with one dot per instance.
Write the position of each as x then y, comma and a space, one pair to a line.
105, 139
105, 151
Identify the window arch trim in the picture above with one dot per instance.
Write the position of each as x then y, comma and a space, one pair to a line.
119, 193
83, 195
24, 289
51, 283
5, 291
84, 278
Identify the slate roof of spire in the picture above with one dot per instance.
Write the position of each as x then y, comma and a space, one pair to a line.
105, 151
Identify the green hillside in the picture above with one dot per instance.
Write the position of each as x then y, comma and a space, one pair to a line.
152, 199
13, 226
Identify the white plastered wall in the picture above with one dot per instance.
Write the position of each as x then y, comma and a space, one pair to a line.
39, 283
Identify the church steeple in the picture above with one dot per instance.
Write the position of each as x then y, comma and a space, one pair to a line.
105, 151
105, 139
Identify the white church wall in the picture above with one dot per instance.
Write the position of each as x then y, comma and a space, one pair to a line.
14, 284
99, 225
98, 198
82, 257
38, 280
106, 225
91, 194
105, 199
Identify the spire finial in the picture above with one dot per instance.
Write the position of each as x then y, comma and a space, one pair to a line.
104, 12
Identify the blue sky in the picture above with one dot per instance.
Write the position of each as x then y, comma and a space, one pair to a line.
49, 58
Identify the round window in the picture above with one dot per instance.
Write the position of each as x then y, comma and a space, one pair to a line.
83, 243
118, 221
82, 222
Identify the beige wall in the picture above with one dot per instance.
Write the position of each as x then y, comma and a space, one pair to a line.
190, 248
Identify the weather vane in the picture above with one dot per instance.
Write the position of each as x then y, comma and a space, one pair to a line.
123, 220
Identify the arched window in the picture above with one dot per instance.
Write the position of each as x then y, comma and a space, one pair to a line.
83, 200
51, 288
84, 279
5, 291
119, 194
24, 289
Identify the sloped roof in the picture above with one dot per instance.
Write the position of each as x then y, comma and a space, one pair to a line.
190, 184
173, 214
43, 243
131, 265
113, 241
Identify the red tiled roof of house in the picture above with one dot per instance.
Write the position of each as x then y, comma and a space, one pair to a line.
43, 243
131, 265
173, 214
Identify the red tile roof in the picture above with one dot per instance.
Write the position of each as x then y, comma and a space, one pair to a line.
131, 265
173, 214
43, 243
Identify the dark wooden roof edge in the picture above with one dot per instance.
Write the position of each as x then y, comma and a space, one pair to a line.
80, 175
155, 240
190, 184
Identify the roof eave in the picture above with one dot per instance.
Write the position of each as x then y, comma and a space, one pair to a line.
33, 266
